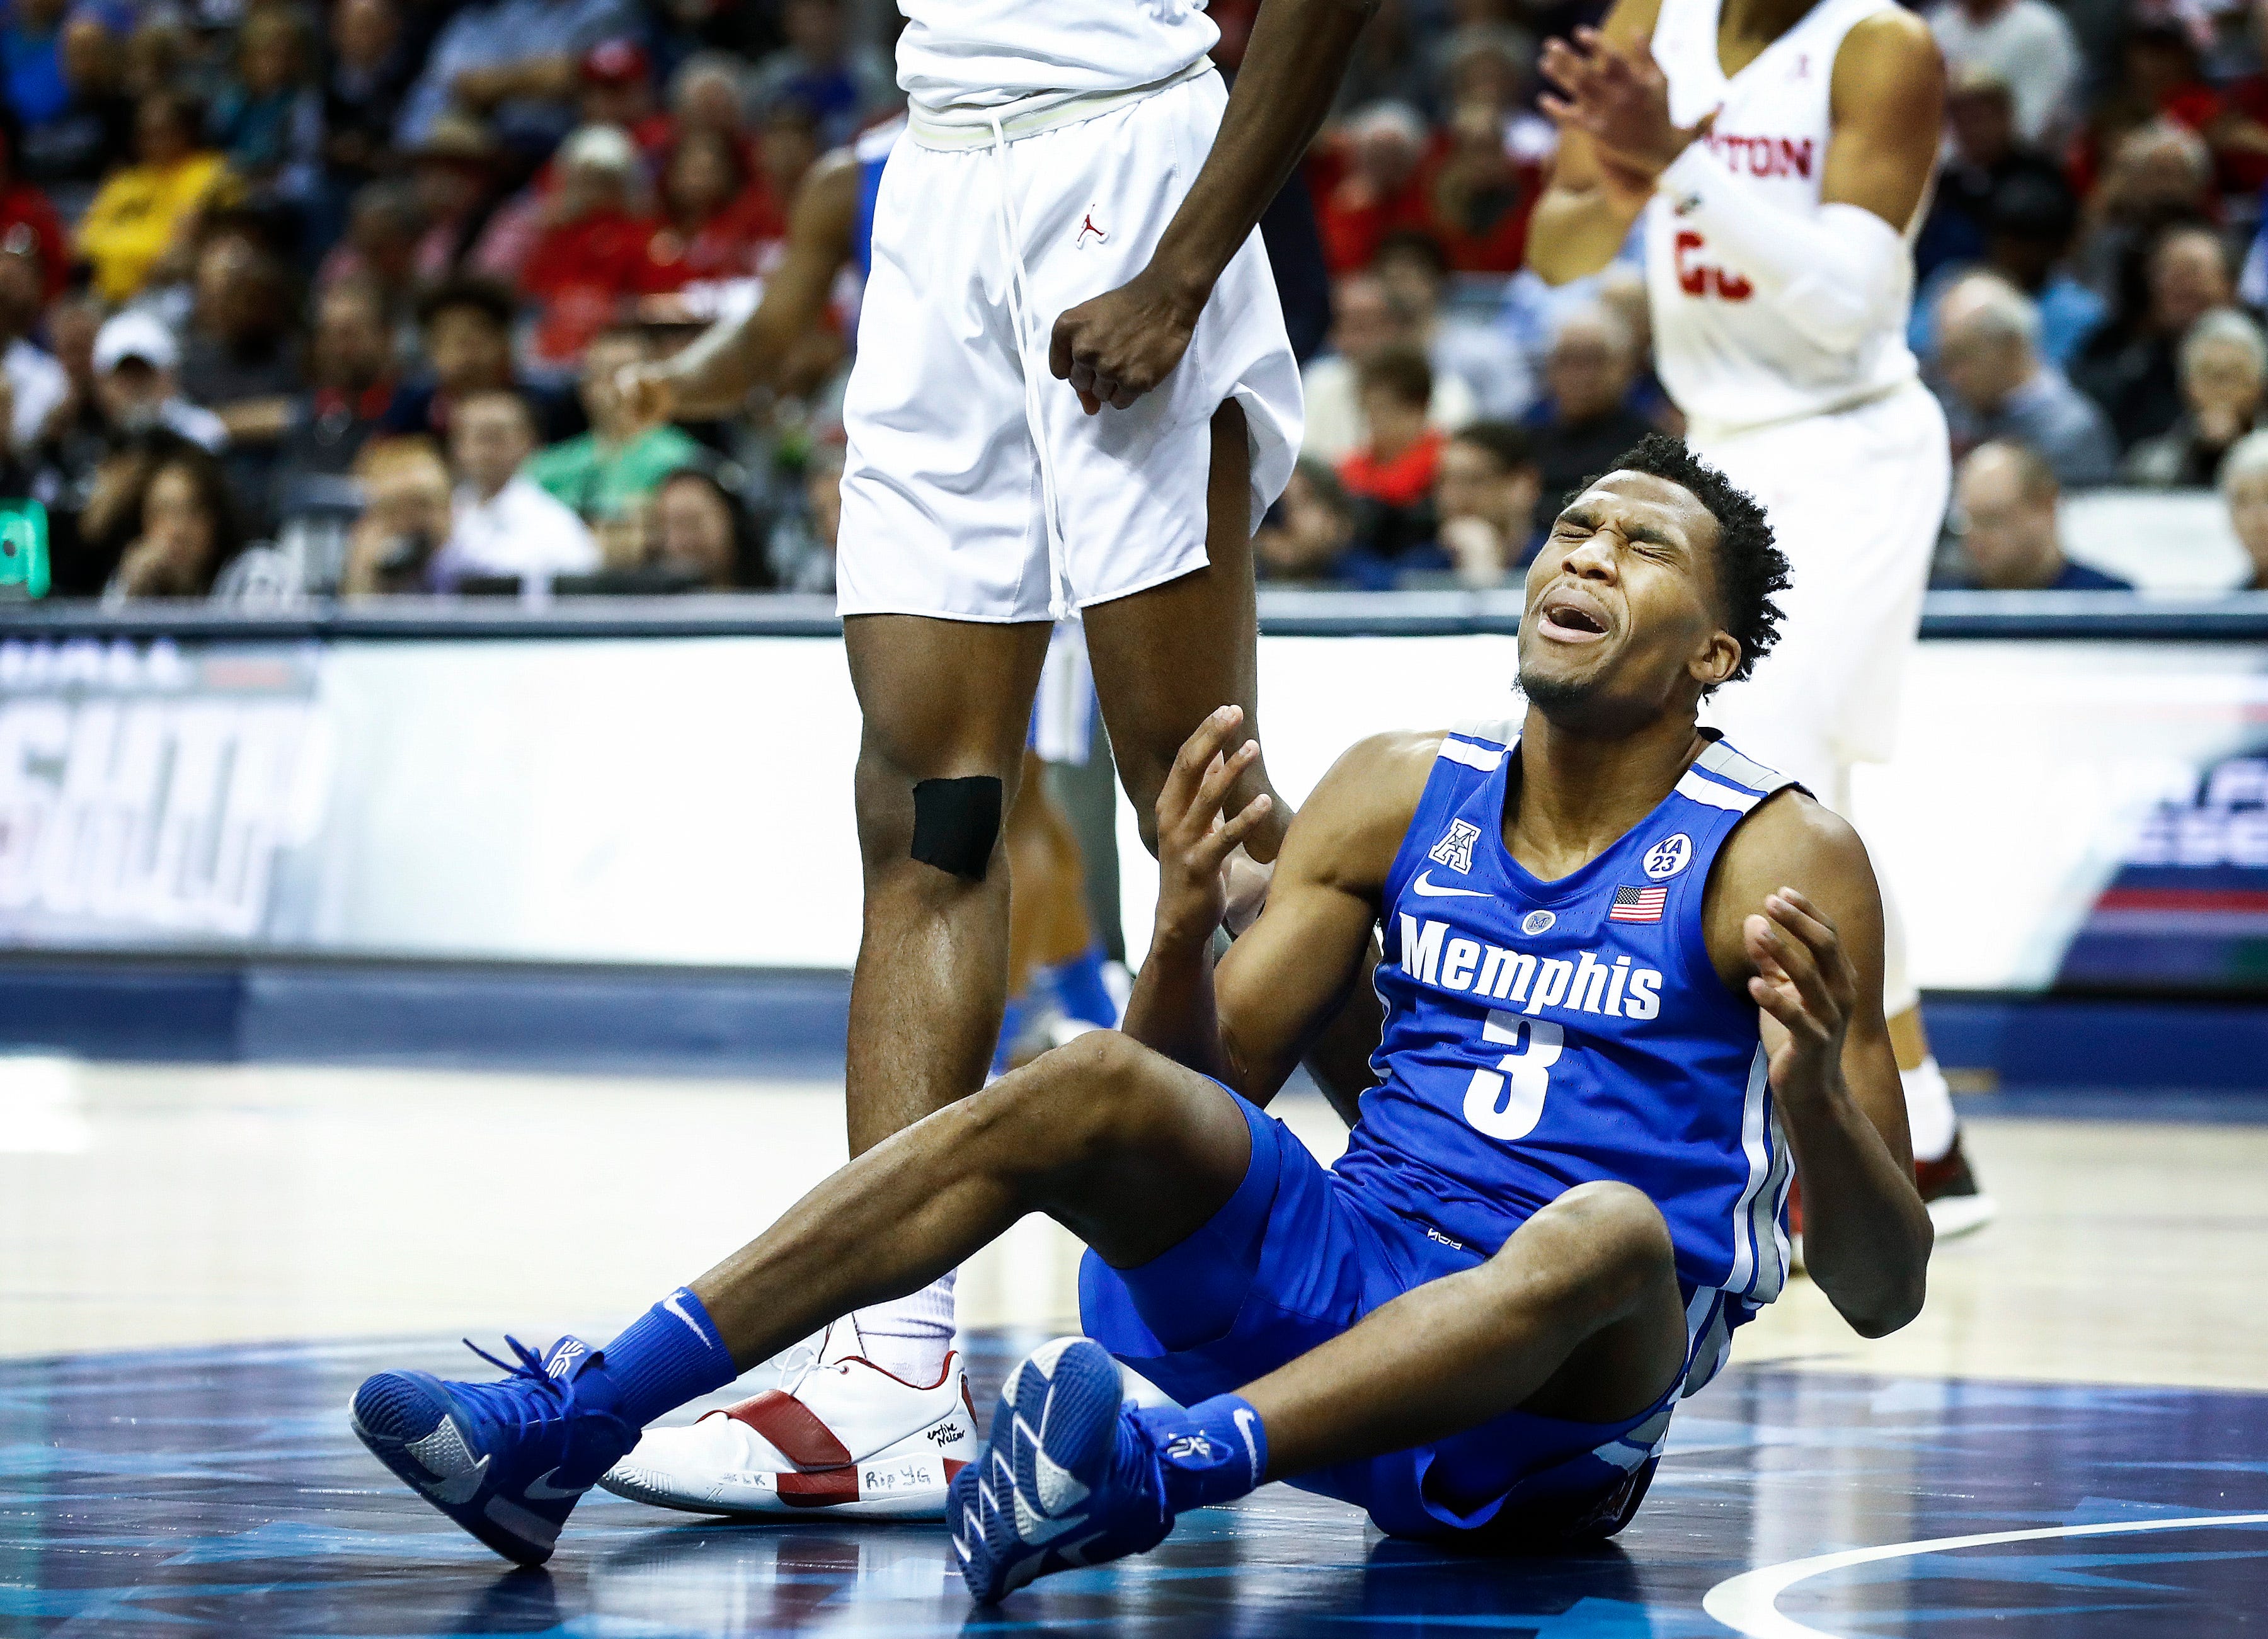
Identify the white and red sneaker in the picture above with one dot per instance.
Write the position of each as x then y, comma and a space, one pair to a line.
844, 1438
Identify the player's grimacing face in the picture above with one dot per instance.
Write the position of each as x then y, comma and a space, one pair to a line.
1620, 602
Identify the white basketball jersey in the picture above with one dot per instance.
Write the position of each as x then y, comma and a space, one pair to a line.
1726, 356
987, 54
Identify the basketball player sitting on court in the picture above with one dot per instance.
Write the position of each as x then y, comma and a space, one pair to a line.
1632, 983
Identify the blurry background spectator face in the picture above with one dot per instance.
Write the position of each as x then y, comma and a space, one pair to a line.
363, 33
350, 351
1486, 70
1621, 293
704, 176
72, 325
134, 357
1364, 320
2244, 484
163, 132
2004, 506
2223, 365
2189, 278
154, 56
185, 531
695, 530
791, 147
596, 168
814, 28
706, 96
23, 285
606, 356
383, 231
1396, 385
617, 84
270, 53
1980, 116
2031, 224
468, 343
89, 56
1986, 332
1414, 272
1590, 366
405, 489
237, 296
1314, 529
2162, 170
1488, 474
489, 436
1386, 141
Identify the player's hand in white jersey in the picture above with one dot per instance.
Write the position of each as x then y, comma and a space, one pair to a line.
1117, 347
1620, 99
1195, 839
1808, 989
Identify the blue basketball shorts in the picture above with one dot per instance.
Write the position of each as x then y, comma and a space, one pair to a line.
1298, 1256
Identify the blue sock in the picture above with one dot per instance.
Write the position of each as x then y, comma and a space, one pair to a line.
669, 1355
1011, 1025
1215, 1451
1079, 987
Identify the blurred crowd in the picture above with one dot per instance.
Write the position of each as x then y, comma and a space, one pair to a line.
300, 300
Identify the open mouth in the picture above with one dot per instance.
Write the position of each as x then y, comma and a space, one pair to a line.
1571, 618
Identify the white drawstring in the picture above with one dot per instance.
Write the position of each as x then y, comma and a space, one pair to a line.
1019, 315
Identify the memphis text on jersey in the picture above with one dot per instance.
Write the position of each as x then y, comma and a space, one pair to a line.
1435, 954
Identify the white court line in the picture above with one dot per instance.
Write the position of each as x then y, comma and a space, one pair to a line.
1747, 1603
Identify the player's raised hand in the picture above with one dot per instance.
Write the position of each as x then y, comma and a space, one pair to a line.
1121, 344
1620, 100
1805, 986
1195, 839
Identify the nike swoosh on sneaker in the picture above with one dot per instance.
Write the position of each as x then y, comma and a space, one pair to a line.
541, 1489
1426, 889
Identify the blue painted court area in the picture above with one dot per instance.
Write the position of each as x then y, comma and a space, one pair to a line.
218, 1491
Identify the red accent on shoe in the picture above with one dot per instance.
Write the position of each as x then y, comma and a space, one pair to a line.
953, 1466
795, 1429
1795, 1207
818, 1490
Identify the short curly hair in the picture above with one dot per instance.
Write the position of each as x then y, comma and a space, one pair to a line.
1751, 568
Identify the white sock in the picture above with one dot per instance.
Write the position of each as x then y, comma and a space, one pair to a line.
1930, 1119
910, 1336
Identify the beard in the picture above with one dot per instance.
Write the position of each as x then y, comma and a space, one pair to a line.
1554, 696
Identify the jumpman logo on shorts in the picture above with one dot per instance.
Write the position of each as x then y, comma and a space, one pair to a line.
1086, 227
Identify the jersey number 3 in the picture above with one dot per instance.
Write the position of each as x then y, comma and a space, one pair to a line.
1507, 1101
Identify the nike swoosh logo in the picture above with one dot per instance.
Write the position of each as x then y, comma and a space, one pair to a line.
458, 1489
1426, 889
677, 1308
1244, 1422
541, 1489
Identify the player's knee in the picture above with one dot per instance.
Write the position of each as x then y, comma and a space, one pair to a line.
1092, 1093
951, 823
1611, 1240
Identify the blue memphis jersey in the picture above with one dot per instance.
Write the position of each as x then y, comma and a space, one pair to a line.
1541, 1035
872, 150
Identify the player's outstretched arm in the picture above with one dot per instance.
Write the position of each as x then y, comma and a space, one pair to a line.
1247, 1023
1603, 79
1795, 920
713, 375
1115, 347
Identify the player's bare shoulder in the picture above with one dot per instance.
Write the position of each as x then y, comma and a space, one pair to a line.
1790, 841
1631, 22
1891, 59
1351, 827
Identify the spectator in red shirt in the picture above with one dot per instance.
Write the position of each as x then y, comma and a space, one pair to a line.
592, 251
1395, 470
1370, 187
715, 222
24, 206
618, 90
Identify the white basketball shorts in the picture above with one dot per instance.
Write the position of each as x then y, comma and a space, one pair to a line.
1856, 499
975, 487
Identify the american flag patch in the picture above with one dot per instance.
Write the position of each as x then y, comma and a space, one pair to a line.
1638, 904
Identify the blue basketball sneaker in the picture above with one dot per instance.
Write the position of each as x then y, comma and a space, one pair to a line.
509, 1460
1067, 1478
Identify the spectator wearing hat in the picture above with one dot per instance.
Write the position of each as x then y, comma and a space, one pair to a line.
2224, 369
367, 74
1994, 386
593, 249
843, 83
621, 461
516, 63
465, 224
142, 213
2006, 507
136, 382
618, 90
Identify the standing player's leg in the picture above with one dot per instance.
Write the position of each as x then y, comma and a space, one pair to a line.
1168, 658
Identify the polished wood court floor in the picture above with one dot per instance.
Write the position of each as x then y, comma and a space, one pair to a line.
197, 1263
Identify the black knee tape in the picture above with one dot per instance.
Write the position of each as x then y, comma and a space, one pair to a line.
956, 824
